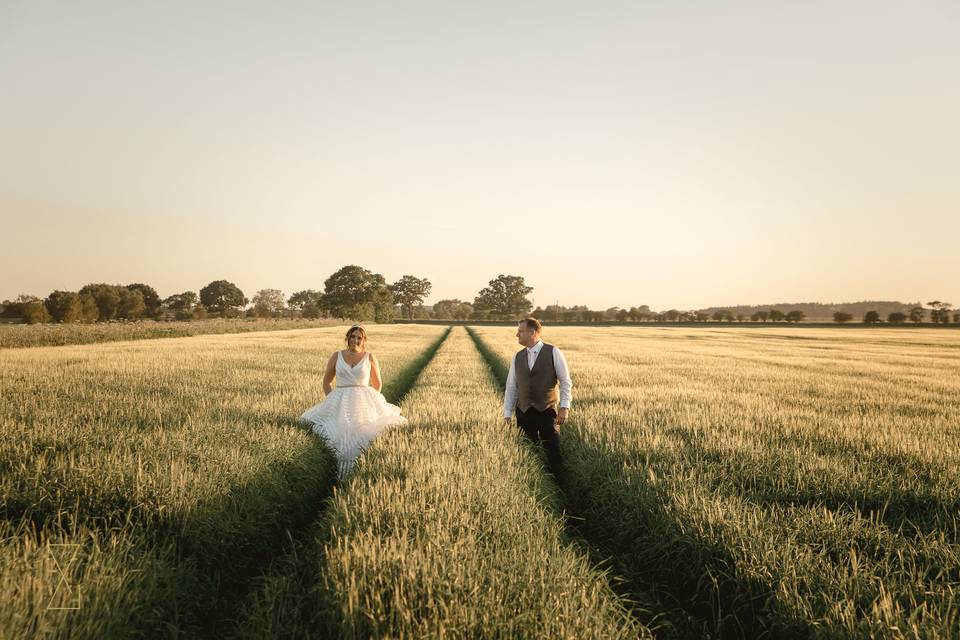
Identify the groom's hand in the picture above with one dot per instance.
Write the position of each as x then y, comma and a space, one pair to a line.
562, 416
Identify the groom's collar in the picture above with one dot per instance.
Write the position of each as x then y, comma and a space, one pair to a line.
535, 348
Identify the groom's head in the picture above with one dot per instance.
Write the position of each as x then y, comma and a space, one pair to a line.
528, 331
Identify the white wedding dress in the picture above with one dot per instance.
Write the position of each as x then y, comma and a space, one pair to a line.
353, 414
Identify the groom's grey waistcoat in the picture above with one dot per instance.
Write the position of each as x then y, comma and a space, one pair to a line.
536, 387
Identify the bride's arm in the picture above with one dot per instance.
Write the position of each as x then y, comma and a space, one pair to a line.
329, 374
375, 380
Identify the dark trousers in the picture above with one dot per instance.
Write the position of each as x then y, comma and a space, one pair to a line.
541, 426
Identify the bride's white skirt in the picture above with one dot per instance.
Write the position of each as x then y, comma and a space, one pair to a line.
350, 418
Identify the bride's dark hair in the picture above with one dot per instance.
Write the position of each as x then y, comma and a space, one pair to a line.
356, 327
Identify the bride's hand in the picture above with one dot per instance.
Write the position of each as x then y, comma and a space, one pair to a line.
329, 374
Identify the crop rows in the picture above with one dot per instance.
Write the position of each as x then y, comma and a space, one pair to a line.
446, 529
170, 471
770, 483
763, 483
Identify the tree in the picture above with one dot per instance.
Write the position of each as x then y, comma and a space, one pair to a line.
896, 317
131, 305
223, 298
181, 305
452, 310
106, 297
64, 306
151, 300
945, 308
355, 293
181, 301
940, 311
672, 315
719, 315
916, 315
871, 317
796, 316
763, 315
268, 303
35, 312
88, 308
776, 315
956, 317
842, 316
504, 298
307, 302
408, 292
420, 312
383, 310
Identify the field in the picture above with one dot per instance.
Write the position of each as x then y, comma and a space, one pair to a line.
770, 482
46, 335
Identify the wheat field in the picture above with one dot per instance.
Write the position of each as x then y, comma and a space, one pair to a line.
770, 482
170, 469
725, 483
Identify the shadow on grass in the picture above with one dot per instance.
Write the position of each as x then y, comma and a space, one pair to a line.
679, 585
695, 583
294, 607
906, 493
208, 556
198, 560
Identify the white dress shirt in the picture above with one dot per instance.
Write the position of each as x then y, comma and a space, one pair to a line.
563, 375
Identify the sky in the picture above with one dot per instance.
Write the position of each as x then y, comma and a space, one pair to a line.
679, 154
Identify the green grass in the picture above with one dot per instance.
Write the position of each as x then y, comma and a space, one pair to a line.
176, 467
46, 335
761, 482
447, 528
772, 482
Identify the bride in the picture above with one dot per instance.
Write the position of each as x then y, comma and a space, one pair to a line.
355, 412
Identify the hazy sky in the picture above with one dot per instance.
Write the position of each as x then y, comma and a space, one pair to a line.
677, 154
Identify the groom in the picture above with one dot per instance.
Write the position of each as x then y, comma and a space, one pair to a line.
532, 390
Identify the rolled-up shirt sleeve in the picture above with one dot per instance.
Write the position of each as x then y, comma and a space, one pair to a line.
563, 375
510, 392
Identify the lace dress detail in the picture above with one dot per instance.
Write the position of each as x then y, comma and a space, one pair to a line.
353, 414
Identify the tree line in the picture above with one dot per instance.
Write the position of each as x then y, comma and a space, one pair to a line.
356, 293
350, 293
821, 310
940, 312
